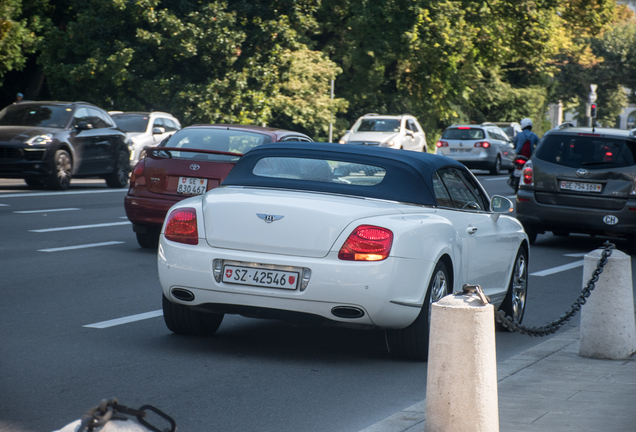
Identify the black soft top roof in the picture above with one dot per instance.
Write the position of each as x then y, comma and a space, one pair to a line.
408, 178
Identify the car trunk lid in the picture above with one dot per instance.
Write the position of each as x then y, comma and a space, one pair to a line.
282, 222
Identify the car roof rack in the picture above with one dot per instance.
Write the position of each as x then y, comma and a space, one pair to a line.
370, 114
565, 125
488, 124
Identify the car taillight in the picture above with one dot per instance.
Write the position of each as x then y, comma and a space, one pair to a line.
181, 226
137, 176
633, 192
441, 144
528, 174
484, 144
367, 243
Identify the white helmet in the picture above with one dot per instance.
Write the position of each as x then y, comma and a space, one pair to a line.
526, 122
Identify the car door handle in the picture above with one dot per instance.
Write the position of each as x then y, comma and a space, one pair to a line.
471, 230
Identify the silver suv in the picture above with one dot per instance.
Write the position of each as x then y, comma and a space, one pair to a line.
581, 180
483, 146
144, 129
392, 131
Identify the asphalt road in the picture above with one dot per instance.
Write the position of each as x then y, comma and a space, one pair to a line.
70, 263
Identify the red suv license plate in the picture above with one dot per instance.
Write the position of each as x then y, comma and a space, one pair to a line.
260, 277
581, 187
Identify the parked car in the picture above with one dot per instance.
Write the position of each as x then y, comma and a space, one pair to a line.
190, 162
510, 128
397, 132
483, 146
48, 143
581, 180
303, 233
144, 129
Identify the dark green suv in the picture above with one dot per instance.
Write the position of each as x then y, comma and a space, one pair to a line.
581, 180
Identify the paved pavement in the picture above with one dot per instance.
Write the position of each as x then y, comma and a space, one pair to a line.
550, 388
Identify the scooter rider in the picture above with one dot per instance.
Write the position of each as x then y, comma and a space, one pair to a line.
526, 137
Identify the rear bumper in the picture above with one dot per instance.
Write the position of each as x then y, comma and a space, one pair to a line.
148, 211
384, 290
575, 219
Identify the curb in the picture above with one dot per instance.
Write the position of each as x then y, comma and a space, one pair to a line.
411, 419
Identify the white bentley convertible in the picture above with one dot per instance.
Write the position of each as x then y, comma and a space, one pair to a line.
365, 237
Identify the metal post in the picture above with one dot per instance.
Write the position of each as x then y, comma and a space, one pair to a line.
331, 124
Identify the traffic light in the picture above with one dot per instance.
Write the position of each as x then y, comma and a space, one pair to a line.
593, 110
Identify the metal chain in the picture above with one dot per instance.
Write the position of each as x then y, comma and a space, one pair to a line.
109, 409
553, 326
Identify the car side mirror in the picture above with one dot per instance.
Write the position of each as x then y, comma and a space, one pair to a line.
500, 205
158, 130
84, 126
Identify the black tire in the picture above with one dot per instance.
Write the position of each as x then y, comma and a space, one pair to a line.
121, 173
532, 232
36, 183
60, 178
496, 168
514, 304
183, 320
148, 240
412, 342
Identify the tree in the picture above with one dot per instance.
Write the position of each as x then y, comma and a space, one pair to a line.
214, 62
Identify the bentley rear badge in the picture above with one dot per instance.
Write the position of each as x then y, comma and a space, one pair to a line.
269, 218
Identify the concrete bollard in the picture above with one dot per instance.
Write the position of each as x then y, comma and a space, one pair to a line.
461, 387
608, 327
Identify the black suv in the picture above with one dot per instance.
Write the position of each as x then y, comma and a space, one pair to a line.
47, 143
581, 180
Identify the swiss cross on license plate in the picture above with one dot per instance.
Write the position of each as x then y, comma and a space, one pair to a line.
260, 277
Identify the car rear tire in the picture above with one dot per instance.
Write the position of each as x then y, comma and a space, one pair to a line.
514, 304
496, 169
119, 177
412, 342
183, 320
60, 178
148, 240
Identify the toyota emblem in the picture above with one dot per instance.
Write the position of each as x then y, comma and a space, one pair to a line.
581, 172
195, 167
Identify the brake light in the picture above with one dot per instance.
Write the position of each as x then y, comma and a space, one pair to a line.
484, 144
463, 127
441, 144
367, 243
528, 174
137, 176
181, 226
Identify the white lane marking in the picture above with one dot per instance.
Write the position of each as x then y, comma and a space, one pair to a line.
45, 211
558, 269
84, 246
495, 178
125, 320
4, 205
80, 227
22, 195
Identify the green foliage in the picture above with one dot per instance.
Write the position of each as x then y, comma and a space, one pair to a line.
18, 36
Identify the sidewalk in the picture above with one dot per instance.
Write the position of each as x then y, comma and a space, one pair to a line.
550, 388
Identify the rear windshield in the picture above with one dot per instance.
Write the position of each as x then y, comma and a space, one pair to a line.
53, 116
226, 140
378, 125
467, 133
131, 122
319, 170
586, 151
